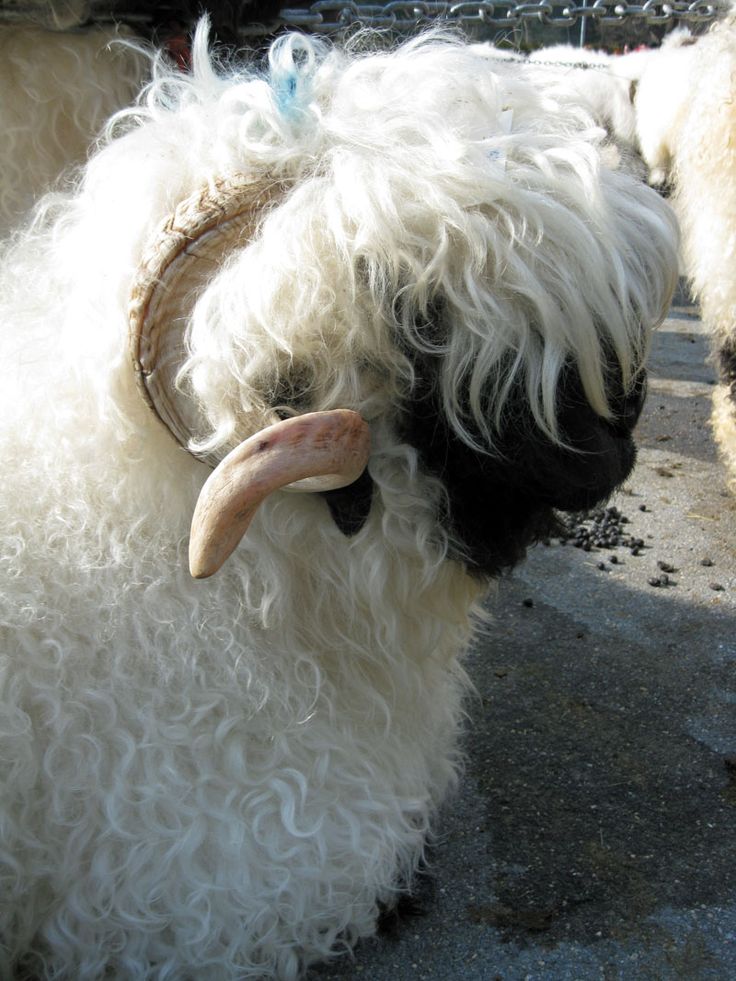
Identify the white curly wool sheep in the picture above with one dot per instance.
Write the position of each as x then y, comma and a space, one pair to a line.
686, 118
705, 202
57, 89
223, 778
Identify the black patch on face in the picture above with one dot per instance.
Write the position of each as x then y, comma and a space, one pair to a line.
351, 505
500, 504
727, 366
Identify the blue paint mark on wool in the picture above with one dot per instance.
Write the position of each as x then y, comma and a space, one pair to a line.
292, 61
285, 90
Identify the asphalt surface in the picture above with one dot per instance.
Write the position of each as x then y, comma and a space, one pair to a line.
594, 834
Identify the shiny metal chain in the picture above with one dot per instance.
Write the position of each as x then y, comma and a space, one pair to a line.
332, 16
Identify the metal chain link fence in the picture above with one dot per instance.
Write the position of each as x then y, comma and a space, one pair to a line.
333, 16
330, 16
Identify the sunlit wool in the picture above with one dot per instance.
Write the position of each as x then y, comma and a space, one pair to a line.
581, 77
686, 108
223, 779
595, 78
57, 89
705, 201
663, 83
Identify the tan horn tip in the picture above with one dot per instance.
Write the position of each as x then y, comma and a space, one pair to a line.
333, 446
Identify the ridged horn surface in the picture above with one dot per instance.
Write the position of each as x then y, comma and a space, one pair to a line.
183, 257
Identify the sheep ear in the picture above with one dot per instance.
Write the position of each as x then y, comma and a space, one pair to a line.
351, 505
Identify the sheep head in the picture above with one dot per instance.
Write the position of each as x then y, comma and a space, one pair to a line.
482, 294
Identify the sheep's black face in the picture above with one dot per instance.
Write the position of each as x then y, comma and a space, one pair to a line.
500, 503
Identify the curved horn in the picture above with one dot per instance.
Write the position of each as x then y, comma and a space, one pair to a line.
184, 255
333, 446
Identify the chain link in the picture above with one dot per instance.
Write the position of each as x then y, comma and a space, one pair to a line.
331, 16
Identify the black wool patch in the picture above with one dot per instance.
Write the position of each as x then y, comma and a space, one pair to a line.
351, 505
727, 366
500, 503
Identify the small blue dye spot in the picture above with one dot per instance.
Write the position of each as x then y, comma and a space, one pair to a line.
286, 94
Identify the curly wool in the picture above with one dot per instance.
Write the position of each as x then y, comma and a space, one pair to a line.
57, 89
595, 78
396, 250
664, 81
224, 779
693, 144
705, 201
589, 80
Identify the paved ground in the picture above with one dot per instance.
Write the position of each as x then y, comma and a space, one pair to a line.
595, 832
